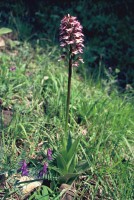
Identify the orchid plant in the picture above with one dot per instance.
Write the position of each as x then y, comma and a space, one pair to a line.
71, 39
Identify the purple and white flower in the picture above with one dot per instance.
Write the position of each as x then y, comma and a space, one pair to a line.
71, 35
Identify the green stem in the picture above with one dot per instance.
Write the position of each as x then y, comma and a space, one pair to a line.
68, 93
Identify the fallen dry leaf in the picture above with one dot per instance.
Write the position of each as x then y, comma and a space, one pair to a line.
28, 187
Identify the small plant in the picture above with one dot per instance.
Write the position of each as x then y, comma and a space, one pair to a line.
71, 39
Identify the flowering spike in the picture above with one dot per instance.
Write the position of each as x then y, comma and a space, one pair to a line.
71, 35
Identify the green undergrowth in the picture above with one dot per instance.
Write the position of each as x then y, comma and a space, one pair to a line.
34, 94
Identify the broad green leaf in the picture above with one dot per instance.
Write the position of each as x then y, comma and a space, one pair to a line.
69, 142
73, 149
63, 152
72, 164
61, 163
5, 31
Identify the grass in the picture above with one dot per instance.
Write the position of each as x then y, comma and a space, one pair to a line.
35, 97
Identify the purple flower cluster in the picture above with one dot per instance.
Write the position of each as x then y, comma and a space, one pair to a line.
43, 171
45, 166
23, 169
71, 35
